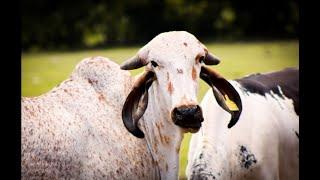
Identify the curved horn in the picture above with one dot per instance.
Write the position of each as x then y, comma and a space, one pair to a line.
136, 103
211, 59
225, 94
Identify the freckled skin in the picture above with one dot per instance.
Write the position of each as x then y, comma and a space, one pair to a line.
194, 74
70, 133
170, 88
180, 71
79, 133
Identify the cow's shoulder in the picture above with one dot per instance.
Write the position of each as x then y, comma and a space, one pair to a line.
283, 83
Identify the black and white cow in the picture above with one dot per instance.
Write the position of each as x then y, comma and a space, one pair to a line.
264, 142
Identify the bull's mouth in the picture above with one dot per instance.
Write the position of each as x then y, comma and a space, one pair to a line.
190, 127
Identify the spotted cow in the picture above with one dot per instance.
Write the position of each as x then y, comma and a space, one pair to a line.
264, 142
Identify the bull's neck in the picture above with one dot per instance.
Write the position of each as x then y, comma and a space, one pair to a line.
162, 135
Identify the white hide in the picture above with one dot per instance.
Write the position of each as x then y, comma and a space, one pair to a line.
75, 131
267, 129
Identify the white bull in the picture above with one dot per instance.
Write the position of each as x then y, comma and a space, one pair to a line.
80, 129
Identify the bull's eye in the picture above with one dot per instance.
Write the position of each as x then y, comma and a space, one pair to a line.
154, 64
201, 59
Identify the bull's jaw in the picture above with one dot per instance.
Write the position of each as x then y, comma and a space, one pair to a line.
163, 136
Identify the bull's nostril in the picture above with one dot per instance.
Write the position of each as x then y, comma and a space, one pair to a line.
177, 111
187, 110
194, 109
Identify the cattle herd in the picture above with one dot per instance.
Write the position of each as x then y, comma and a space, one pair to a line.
102, 123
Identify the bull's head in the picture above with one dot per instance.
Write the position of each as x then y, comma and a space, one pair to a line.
174, 62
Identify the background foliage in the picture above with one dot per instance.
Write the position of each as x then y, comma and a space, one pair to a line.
60, 24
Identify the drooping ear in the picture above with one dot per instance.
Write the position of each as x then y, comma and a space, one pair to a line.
225, 94
133, 63
210, 59
136, 103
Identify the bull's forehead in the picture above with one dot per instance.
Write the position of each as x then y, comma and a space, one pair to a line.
175, 46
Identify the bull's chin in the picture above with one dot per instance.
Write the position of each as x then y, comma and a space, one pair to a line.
190, 128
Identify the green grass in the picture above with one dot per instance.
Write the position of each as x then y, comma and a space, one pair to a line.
43, 71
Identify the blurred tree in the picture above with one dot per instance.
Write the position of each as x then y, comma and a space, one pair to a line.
57, 24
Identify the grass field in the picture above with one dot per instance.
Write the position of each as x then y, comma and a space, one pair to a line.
42, 71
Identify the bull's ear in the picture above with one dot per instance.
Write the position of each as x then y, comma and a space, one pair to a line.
134, 62
136, 103
225, 94
211, 59
137, 61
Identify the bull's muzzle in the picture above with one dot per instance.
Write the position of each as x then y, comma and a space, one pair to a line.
187, 116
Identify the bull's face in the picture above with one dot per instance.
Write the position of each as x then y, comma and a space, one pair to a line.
174, 62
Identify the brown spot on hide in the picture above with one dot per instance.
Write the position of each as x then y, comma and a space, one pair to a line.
155, 163
180, 71
101, 97
166, 167
185, 44
163, 139
92, 81
159, 132
168, 77
32, 113
156, 146
194, 74
170, 88
141, 163
166, 139
66, 91
157, 125
59, 84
